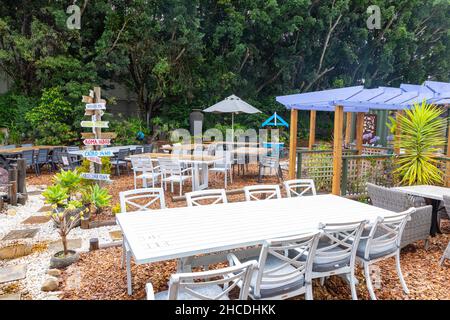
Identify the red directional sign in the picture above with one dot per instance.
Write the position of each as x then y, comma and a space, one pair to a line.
97, 142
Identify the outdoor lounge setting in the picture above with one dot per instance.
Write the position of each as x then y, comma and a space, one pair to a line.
225, 151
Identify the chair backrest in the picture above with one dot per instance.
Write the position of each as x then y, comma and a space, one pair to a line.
262, 192
269, 161
289, 252
66, 159
27, 145
387, 232
170, 166
55, 155
73, 148
142, 164
131, 200
148, 148
447, 205
388, 199
11, 146
123, 153
299, 187
138, 150
211, 150
42, 156
28, 155
188, 285
339, 241
225, 161
206, 197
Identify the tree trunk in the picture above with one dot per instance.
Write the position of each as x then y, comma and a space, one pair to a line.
64, 242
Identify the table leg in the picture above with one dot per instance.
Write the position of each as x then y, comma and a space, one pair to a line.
195, 177
434, 217
129, 280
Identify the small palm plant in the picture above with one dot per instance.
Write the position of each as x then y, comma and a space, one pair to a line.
96, 198
422, 135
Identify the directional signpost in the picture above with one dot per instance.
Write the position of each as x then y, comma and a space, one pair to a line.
95, 107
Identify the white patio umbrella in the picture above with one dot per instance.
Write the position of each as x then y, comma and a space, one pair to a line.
233, 105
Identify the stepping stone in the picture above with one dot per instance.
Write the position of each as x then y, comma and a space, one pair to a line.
13, 273
71, 244
36, 220
15, 251
14, 296
45, 209
20, 234
116, 235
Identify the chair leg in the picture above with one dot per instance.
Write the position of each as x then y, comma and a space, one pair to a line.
322, 281
309, 292
259, 175
399, 272
353, 285
369, 281
427, 244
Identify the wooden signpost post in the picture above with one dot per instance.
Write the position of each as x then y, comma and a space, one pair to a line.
95, 107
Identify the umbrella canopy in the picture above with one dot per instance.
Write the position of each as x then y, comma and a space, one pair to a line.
232, 104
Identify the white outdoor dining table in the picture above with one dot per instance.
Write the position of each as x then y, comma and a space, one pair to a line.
114, 149
183, 232
433, 195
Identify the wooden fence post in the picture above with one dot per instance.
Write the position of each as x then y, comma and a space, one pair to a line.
13, 189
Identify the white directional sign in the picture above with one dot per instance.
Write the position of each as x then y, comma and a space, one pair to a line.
95, 176
95, 160
92, 124
97, 153
97, 142
95, 106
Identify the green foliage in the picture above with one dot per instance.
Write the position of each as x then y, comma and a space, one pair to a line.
96, 197
116, 209
13, 108
86, 167
69, 180
422, 135
127, 129
56, 195
53, 118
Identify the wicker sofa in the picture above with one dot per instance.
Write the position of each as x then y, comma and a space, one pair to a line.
418, 228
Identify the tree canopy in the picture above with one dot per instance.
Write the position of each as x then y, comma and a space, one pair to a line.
176, 55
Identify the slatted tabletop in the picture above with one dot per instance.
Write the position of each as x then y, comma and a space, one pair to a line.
187, 158
430, 192
182, 232
22, 149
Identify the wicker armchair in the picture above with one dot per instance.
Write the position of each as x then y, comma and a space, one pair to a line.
418, 228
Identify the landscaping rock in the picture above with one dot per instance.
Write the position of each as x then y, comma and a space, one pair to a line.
51, 284
15, 251
14, 296
13, 273
54, 273
21, 234
11, 212
36, 220
116, 235
63, 262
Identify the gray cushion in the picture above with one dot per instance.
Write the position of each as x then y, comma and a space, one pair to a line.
325, 264
209, 291
266, 290
375, 252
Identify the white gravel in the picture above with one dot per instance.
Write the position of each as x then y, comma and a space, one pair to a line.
38, 262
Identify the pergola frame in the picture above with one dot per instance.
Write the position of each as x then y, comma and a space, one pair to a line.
356, 100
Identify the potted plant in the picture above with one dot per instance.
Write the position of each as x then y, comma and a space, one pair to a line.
422, 134
94, 198
66, 214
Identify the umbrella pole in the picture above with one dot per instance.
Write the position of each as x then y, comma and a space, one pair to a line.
232, 126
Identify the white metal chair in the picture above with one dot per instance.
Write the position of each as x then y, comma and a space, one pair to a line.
212, 196
383, 241
299, 187
336, 251
262, 192
145, 167
281, 274
207, 285
223, 165
173, 172
129, 201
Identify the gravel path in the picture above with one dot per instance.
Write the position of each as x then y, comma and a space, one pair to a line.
38, 262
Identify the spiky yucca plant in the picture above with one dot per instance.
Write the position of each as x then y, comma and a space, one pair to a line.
422, 133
